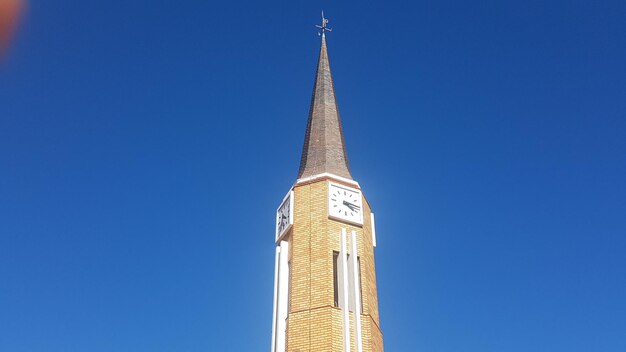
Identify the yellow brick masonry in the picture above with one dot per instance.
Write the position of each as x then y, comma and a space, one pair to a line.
313, 323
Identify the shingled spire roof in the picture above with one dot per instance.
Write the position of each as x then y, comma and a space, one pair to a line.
324, 148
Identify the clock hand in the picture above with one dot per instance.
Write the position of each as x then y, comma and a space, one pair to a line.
350, 205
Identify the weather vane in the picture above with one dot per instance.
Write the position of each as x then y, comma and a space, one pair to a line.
323, 26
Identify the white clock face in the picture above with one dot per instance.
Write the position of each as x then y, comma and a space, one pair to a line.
345, 203
284, 215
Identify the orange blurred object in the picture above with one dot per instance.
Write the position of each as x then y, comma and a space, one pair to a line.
9, 17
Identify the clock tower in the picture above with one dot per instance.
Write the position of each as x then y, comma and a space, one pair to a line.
325, 296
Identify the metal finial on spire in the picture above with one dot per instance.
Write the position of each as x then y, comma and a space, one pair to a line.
324, 27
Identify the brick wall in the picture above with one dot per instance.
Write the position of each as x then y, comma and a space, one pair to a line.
313, 323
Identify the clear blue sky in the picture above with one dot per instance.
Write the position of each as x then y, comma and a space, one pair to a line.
144, 148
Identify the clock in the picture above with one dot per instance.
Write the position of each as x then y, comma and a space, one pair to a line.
284, 216
345, 203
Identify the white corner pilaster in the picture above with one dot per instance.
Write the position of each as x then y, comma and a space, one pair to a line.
283, 297
275, 310
345, 309
373, 230
356, 277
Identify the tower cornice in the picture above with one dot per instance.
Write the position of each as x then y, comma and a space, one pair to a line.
327, 176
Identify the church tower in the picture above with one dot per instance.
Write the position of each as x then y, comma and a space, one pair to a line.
325, 295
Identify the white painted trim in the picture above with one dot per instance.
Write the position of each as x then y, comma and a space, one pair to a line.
326, 175
344, 220
357, 294
283, 297
346, 293
373, 229
275, 310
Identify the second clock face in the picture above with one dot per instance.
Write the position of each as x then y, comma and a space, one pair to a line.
345, 203
284, 215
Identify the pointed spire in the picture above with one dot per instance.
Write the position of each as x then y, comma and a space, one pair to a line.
324, 148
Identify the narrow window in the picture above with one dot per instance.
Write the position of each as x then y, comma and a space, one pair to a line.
335, 281
289, 284
358, 261
339, 300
